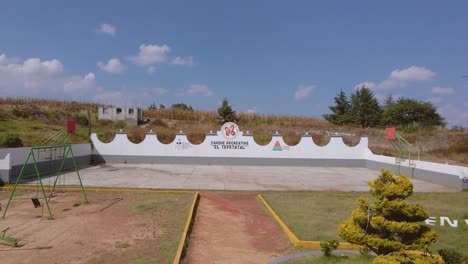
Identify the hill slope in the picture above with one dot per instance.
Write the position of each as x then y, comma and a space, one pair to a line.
33, 121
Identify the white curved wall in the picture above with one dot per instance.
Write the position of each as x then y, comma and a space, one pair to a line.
243, 146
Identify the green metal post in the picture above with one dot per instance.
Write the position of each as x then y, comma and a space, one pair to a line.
78, 173
16, 184
59, 172
42, 187
10, 240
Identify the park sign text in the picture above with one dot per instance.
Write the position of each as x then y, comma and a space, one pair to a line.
444, 221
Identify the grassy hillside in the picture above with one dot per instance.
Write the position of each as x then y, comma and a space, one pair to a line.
36, 120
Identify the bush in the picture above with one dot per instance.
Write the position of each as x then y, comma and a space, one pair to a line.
119, 124
104, 123
327, 247
81, 120
21, 112
451, 256
53, 115
11, 141
158, 122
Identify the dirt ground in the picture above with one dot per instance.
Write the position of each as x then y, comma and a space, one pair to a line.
112, 228
234, 228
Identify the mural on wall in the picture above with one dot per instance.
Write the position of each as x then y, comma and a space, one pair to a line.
230, 132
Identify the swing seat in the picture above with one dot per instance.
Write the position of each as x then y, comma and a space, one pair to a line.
36, 202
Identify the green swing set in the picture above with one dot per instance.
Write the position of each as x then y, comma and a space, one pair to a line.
65, 152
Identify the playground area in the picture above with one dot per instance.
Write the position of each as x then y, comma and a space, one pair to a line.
115, 227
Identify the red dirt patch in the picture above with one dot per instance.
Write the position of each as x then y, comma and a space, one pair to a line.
234, 228
111, 229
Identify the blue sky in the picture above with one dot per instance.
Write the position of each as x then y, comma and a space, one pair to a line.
269, 57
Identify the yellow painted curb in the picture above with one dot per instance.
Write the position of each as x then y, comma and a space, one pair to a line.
183, 240
293, 238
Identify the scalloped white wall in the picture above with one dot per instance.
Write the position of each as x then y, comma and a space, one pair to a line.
150, 146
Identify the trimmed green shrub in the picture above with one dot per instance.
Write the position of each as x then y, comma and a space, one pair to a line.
327, 247
387, 223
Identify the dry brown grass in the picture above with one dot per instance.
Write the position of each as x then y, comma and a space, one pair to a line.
48, 104
439, 144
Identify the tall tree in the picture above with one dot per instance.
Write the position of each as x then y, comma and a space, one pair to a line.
388, 224
225, 112
407, 111
340, 110
365, 109
388, 102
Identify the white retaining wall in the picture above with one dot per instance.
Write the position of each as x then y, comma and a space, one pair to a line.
14, 159
5, 168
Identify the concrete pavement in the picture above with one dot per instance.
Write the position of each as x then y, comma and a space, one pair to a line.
222, 177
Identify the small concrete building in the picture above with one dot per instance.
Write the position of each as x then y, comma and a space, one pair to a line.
131, 115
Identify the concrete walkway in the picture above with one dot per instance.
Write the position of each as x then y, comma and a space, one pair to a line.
218, 177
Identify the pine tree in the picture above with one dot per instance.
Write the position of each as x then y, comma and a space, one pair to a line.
365, 109
225, 112
388, 224
340, 110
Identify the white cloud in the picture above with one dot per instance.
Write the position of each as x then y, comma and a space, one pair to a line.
443, 90
33, 66
159, 91
34, 77
113, 66
46, 79
380, 97
107, 29
197, 90
150, 54
151, 70
183, 61
412, 74
401, 78
453, 115
252, 110
303, 91
80, 84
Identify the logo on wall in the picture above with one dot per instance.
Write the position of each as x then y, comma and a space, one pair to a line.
277, 146
179, 145
230, 130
